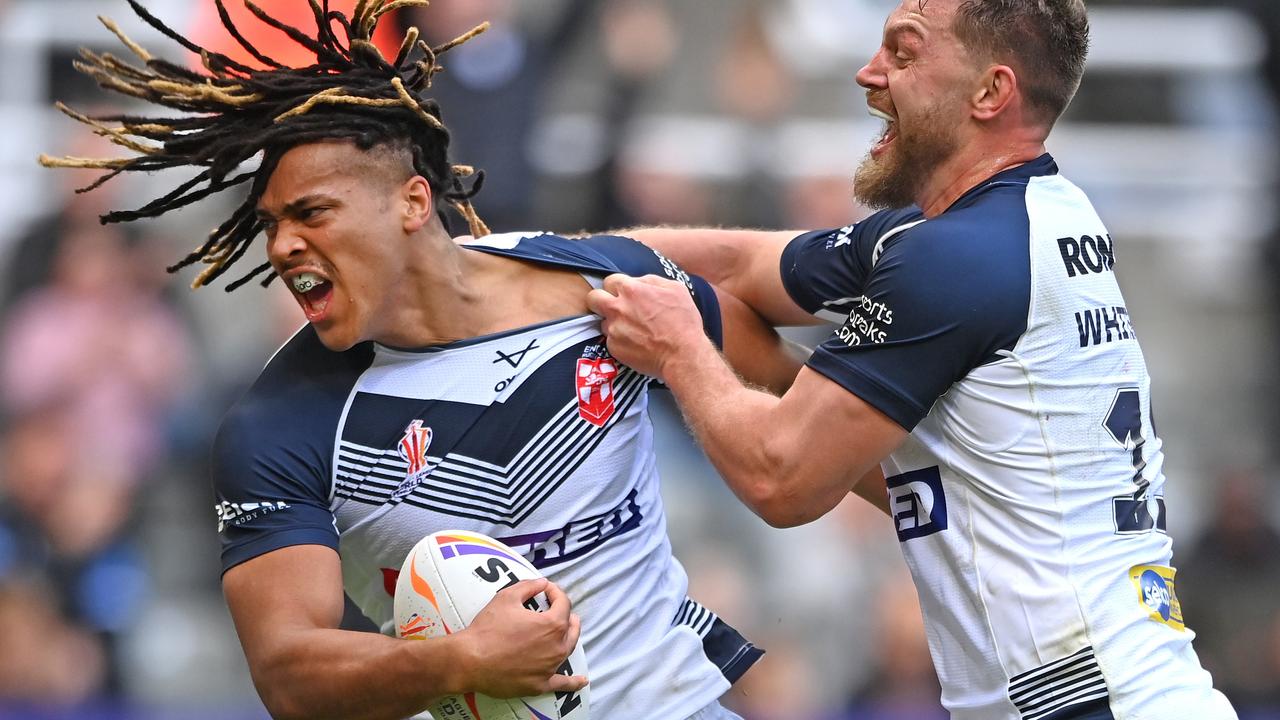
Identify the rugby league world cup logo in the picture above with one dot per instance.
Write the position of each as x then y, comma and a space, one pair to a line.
413, 449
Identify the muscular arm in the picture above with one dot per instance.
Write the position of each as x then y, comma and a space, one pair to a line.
287, 605
743, 263
790, 459
756, 352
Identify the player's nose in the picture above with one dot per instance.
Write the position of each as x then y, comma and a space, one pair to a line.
284, 244
872, 75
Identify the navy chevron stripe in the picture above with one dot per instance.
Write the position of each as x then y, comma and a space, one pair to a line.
481, 490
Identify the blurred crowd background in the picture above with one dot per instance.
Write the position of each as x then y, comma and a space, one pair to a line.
589, 115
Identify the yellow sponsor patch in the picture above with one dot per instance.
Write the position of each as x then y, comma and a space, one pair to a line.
1154, 584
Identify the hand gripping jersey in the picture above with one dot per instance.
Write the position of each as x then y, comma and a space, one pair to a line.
1028, 497
535, 436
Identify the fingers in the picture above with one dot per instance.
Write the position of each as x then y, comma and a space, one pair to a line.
526, 589
575, 629
601, 302
559, 602
613, 283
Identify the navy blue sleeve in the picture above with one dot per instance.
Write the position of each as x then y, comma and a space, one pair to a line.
272, 457
822, 270
635, 258
934, 301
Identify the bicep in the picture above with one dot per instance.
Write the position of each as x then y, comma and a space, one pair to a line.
275, 595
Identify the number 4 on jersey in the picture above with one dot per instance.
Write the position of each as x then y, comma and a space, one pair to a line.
1133, 513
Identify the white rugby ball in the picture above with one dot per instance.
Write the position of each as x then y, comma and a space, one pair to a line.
447, 578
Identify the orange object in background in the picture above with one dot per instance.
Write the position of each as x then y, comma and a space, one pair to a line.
207, 31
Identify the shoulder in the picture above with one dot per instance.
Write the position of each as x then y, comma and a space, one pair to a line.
599, 253
297, 398
984, 244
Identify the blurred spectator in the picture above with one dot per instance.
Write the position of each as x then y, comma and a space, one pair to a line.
91, 363
903, 683
43, 659
101, 343
490, 92
1228, 585
30, 260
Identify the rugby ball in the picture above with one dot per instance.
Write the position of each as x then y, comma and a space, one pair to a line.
446, 579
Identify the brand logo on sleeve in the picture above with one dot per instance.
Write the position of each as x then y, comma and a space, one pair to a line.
673, 271
843, 236
917, 503
233, 513
868, 322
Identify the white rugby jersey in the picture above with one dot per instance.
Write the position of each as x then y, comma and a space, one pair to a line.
535, 436
1028, 497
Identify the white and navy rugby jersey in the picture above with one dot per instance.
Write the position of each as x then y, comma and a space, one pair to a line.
535, 436
1028, 497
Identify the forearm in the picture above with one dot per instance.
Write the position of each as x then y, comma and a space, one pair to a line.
754, 450
323, 673
710, 253
743, 263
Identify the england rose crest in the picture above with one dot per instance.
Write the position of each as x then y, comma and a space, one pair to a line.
595, 373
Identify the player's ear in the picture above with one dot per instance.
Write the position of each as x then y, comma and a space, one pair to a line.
417, 203
997, 87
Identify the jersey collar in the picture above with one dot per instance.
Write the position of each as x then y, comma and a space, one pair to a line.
1017, 175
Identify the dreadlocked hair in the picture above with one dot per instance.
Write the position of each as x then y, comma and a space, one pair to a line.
234, 112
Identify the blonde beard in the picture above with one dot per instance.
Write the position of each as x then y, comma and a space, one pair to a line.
897, 177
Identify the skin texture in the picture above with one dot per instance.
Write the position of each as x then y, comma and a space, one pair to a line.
364, 223
957, 121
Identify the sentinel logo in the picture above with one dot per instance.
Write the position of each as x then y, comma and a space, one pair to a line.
917, 503
230, 513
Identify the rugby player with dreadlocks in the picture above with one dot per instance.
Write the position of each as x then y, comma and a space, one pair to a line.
437, 385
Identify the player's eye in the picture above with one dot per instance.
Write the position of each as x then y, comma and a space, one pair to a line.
309, 213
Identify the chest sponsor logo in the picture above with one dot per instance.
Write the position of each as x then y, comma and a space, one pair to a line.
867, 324
917, 503
593, 381
547, 548
1155, 587
235, 513
1087, 254
413, 450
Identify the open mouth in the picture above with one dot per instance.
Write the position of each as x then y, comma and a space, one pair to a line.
313, 293
890, 131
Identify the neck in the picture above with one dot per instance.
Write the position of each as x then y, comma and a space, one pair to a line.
436, 299
452, 293
969, 167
